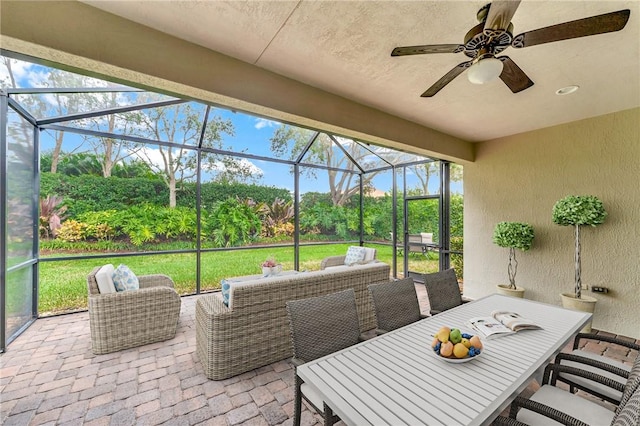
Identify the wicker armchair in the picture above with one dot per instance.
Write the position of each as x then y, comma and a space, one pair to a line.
597, 364
550, 402
132, 318
443, 290
396, 304
320, 326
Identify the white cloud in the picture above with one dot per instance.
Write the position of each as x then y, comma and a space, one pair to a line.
22, 72
263, 122
242, 163
151, 156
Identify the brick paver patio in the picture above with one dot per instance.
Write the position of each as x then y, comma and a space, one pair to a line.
50, 376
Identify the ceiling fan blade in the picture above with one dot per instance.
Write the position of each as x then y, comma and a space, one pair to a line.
513, 76
499, 17
427, 48
446, 79
609, 22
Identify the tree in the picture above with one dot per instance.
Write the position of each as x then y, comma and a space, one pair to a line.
111, 151
425, 171
181, 124
81, 163
289, 141
52, 104
64, 104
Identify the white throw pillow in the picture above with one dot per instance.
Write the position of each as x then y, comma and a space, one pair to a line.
369, 255
105, 280
124, 279
354, 255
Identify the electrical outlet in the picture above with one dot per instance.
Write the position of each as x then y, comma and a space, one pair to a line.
599, 289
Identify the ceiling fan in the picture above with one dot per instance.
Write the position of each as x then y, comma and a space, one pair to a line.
494, 34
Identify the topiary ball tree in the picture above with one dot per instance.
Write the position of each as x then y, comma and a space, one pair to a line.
513, 235
576, 211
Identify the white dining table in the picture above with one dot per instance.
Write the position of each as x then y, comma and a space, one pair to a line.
397, 379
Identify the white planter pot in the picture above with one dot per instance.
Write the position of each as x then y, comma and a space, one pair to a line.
584, 304
506, 291
271, 271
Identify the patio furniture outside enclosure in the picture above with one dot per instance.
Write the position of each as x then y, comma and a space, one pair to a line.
132, 318
401, 369
330, 261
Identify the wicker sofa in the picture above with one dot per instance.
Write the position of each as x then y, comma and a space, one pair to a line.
132, 318
255, 332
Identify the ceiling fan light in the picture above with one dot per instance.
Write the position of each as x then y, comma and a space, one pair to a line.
484, 71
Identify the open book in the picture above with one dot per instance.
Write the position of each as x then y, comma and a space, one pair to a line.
501, 323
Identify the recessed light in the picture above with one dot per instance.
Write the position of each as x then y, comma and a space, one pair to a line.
567, 90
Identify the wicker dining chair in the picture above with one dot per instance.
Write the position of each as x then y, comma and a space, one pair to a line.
320, 326
443, 290
551, 403
599, 364
395, 304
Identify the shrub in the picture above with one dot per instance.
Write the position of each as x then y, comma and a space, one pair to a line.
579, 210
72, 230
51, 215
515, 235
99, 224
275, 217
457, 260
88, 193
233, 222
212, 193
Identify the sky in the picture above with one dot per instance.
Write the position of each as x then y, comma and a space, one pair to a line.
251, 134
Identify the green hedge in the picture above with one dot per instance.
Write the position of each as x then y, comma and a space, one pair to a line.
87, 193
213, 192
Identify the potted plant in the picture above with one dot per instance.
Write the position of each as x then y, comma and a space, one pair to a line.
576, 211
513, 235
270, 267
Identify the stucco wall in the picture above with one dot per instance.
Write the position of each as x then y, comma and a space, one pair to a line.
519, 178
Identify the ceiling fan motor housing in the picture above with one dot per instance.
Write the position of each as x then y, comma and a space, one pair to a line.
476, 40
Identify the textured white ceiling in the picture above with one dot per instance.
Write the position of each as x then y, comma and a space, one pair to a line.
344, 47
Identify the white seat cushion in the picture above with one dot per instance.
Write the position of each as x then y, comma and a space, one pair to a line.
590, 384
574, 405
312, 396
104, 278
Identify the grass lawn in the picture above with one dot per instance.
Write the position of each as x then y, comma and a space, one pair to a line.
63, 285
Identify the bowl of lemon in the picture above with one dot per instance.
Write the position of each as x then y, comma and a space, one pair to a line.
452, 345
